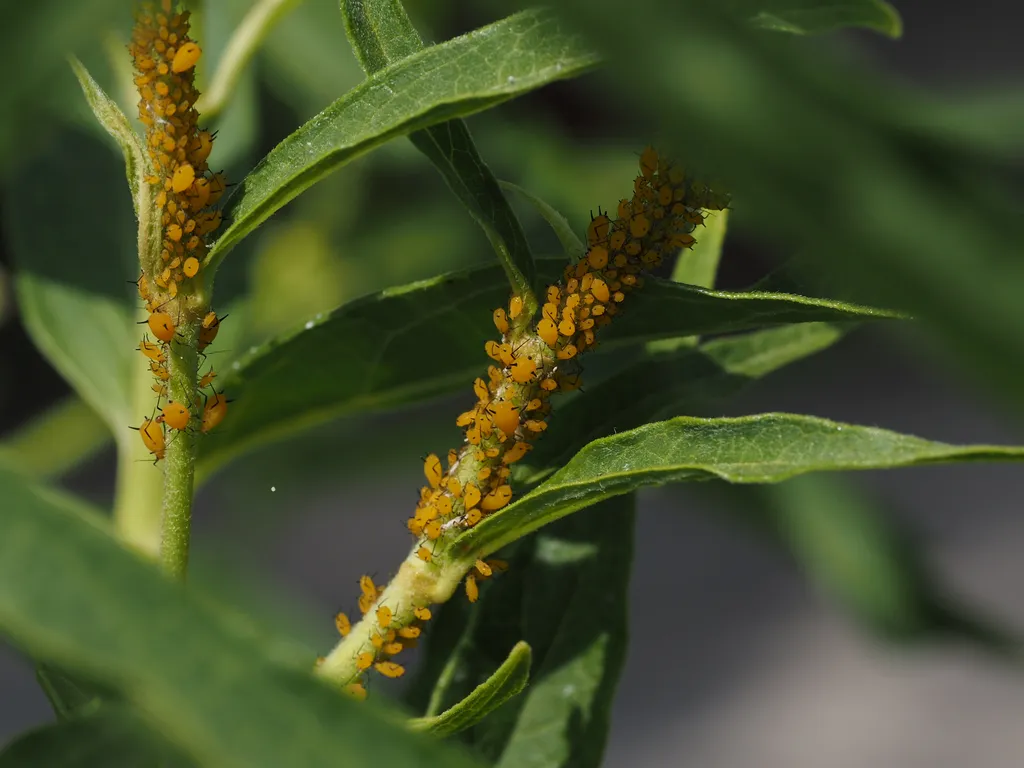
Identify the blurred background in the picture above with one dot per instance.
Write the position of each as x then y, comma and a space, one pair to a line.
736, 658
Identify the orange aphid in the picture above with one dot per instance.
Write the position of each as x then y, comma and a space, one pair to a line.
364, 660
214, 411
384, 616
422, 613
356, 691
389, 668
162, 326
153, 437
343, 624
175, 416
432, 470
185, 58
472, 590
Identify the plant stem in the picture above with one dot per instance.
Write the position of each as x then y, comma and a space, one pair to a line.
180, 457
416, 584
242, 46
139, 491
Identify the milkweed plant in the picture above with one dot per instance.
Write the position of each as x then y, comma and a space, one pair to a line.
597, 373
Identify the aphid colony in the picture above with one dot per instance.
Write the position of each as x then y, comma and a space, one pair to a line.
165, 59
512, 406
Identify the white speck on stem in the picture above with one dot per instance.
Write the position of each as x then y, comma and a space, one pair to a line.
309, 324
273, 488
568, 690
511, 79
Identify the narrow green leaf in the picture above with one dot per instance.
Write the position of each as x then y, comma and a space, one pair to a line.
459, 77
566, 593
370, 354
699, 265
690, 381
805, 17
71, 289
765, 448
137, 164
572, 245
507, 681
381, 33
69, 696
113, 120
199, 675
866, 562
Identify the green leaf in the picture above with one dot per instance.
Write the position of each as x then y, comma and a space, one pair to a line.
196, 671
765, 448
381, 351
57, 440
71, 288
573, 246
112, 738
137, 164
459, 77
507, 681
34, 43
865, 562
69, 696
699, 265
806, 17
690, 381
852, 167
567, 594
381, 33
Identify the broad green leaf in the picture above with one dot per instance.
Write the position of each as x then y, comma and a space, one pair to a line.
573, 246
765, 448
865, 562
566, 594
687, 382
112, 738
837, 161
459, 77
813, 16
193, 668
382, 350
71, 288
507, 681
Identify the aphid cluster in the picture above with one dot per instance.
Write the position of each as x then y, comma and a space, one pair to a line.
512, 406
165, 59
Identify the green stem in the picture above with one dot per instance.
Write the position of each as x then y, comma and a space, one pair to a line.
242, 46
180, 457
416, 584
139, 491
